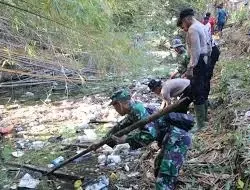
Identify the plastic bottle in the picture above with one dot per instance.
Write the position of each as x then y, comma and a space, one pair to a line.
57, 161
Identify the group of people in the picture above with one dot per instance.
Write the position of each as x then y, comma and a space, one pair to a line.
216, 24
172, 131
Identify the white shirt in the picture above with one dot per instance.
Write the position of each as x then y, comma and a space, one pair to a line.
208, 33
173, 88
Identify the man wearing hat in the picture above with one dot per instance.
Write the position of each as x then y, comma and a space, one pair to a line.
134, 111
170, 131
182, 58
196, 70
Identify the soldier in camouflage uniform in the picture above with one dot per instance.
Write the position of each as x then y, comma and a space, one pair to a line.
170, 131
174, 142
182, 58
135, 111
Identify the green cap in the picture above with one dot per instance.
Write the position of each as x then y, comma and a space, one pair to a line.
120, 95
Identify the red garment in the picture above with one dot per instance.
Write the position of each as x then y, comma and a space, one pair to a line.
212, 22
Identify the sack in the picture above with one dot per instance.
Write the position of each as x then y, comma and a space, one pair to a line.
180, 120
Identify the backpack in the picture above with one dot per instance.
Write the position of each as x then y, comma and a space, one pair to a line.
180, 120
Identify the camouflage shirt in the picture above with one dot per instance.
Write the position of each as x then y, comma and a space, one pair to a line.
182, 61
138, 112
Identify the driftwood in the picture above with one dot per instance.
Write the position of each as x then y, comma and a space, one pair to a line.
43, 170
122, 132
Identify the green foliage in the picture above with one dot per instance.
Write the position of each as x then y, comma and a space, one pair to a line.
103, 28
237, 69
240, 15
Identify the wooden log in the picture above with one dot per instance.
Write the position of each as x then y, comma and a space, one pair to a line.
122, 132
43, 170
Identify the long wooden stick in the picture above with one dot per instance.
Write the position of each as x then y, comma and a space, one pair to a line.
42, 170
122, 132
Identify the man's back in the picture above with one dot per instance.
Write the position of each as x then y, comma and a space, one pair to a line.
174, 88
221, 16
196, 41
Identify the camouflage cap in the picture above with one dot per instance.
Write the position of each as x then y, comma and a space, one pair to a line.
120, 95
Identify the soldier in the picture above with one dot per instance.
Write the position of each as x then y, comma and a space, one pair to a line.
171, 133
135, 111
182, 58
174, 140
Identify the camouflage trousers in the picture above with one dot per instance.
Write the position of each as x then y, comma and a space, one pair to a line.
139, 139
171, 157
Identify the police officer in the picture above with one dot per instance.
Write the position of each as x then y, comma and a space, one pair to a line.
173, 88
196, 70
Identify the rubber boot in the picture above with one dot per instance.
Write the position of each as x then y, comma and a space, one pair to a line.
200, 116
206, 112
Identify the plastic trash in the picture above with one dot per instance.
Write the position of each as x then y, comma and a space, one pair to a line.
133, 174
135, 152
89, 136
19, 129
247, 115
121, 148
102, 159
114, 159
107, 149
126, 168
57, 161
37, 145
101, 184
27, 181
17, 154
23, 143
51, 166
78, 185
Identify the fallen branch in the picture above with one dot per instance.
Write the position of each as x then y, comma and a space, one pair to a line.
101, 121
75, 145
122, 132
24, 84
43, 170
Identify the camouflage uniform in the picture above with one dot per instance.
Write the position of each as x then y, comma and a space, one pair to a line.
174, 147
183, 61
142, 136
